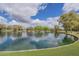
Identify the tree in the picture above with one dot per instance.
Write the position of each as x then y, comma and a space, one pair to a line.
43, 28
56, 30
69, 20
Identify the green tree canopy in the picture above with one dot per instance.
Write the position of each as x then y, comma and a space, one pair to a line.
41, 28
70, 21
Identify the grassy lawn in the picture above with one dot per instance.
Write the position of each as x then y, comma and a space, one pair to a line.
67, 50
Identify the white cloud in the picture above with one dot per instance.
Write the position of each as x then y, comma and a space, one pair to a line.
13, 22
24, 10
50, 22
70, 7
43, 6
24, 25
3, 20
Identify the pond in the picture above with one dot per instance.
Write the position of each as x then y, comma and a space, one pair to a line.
33, 40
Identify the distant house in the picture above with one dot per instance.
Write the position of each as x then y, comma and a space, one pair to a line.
29, 29
2, 27
16, 27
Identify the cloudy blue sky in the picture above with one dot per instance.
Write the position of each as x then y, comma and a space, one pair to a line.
33, 14
51, 10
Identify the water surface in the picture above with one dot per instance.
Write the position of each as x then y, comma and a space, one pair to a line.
33, 40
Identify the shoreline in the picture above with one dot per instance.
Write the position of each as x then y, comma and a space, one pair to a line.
38, 49
44, 48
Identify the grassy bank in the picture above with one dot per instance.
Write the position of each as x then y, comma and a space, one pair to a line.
67, 50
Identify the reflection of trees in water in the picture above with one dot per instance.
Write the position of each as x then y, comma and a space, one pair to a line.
67, 40
9, 33
37, 34
24, 43
17, 34
40, 34
56, 31
2, 34
56, 34
46, 33
30, 33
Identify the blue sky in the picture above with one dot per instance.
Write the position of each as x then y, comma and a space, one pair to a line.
6, 15
32, 14
37, 11
44, 12
51, 10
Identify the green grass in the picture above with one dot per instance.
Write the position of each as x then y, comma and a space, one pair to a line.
66, 50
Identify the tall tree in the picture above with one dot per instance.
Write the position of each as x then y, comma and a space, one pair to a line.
69, 20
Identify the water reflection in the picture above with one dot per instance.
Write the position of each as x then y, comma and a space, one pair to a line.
17, 34
32, 40
2, 34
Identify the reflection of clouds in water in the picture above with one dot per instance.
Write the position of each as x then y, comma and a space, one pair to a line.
50, 37
2, 39
24, 34
13, 38
37, 37
61, 36
25, 41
